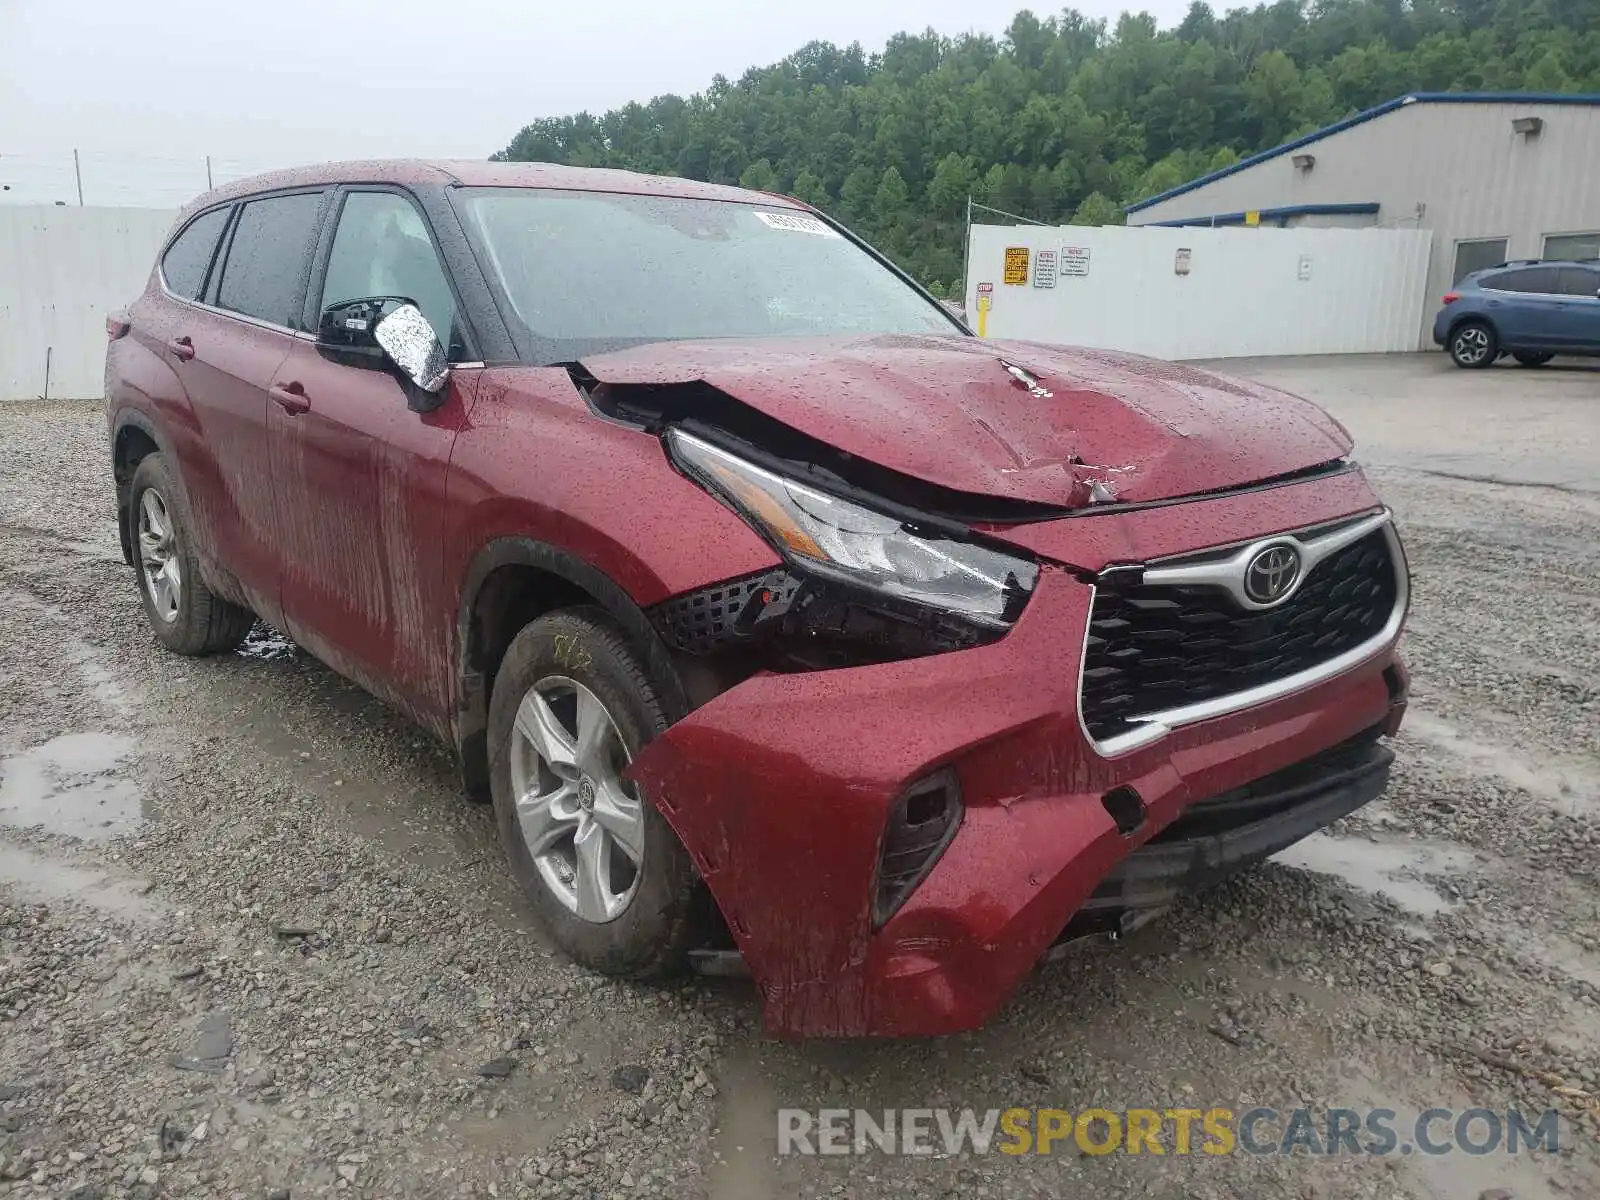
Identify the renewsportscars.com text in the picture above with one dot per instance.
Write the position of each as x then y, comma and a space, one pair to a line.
1180, 1131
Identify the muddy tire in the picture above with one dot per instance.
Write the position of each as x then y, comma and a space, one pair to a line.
604, 871
184, 614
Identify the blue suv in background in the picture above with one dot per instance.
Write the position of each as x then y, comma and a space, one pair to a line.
1529, 310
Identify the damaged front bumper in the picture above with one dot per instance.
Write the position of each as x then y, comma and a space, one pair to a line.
781, 788
786, 788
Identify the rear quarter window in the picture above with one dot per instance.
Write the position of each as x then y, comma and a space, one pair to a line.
268, 256
184, 265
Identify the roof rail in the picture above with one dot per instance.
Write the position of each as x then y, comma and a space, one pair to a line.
1534, 262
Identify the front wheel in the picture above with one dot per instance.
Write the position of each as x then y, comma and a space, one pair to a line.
185, 615
607, 876
1474, 345
1531, 360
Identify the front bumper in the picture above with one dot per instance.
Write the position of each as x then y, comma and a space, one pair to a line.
1215, 838
780, 788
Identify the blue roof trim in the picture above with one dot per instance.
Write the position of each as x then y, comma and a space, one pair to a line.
1388, 106
1369, 208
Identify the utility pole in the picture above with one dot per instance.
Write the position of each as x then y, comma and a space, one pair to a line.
966, 253
208, 173
77, 171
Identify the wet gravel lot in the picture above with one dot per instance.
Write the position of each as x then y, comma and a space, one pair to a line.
253, 942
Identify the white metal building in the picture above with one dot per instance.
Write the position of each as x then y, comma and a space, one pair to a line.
62, 271
1493, 176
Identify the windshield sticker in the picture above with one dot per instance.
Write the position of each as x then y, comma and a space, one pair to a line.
796, 223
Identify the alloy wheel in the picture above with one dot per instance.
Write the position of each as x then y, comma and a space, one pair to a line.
582, 823
158, 556
1472, 345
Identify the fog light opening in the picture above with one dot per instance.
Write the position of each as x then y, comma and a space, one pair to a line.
1125, 808
921, 824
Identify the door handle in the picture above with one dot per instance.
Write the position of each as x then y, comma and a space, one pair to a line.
290, 397
182, 348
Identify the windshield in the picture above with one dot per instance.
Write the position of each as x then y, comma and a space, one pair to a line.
587, 272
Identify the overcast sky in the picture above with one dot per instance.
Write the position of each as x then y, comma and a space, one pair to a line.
260, 83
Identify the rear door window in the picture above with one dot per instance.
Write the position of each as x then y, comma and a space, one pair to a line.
1580, 281
1544, 280
265, 274
184, 265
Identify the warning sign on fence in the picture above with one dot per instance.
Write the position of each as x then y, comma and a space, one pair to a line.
1016, 264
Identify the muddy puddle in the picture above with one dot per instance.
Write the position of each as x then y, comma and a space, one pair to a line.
72, 785
745, 1130
1395, 868
41, 879
1572, 787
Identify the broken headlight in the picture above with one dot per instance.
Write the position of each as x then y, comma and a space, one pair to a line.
850, 543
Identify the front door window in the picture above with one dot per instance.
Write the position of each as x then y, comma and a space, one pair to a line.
382, 248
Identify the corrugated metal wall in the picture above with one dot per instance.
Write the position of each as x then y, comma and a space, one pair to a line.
1458, 170
61, 271
1245, 292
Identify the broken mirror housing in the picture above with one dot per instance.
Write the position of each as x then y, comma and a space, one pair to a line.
827, 536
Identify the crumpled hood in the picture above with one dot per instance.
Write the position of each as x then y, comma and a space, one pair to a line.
947, 410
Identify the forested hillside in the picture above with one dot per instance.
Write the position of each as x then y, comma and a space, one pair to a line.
1066, 118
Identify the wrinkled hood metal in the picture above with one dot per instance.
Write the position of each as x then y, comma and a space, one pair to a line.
1092, 425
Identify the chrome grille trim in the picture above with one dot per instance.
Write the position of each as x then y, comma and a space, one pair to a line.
1156, 725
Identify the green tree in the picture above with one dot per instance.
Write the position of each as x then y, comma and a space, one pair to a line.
1065, 115
810, 188
1097, 209
759, 176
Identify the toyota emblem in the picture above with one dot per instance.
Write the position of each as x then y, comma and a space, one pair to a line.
1272, 574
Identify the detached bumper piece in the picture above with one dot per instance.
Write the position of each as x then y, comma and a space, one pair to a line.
1217, 838
794, 622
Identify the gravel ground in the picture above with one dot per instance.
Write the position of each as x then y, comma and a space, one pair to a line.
253, 942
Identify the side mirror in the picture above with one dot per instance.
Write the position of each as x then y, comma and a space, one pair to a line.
349, 325
411, 344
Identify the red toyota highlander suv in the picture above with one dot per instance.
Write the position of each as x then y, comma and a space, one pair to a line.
782, 618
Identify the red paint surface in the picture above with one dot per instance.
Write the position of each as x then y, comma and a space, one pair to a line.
535, 462
211, 406
1095, 540
360, 513
945, 409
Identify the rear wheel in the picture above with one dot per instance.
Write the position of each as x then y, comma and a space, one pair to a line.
1531, 360
607, 876
1473, 345
184, 614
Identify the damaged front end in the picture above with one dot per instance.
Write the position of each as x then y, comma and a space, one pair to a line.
876, 566
885, 780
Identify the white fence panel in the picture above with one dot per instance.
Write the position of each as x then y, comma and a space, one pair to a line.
1203, 293
61, 271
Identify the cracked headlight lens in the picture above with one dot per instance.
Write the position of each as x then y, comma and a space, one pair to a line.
854, 544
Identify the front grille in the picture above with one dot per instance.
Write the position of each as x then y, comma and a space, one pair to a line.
1156, 648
